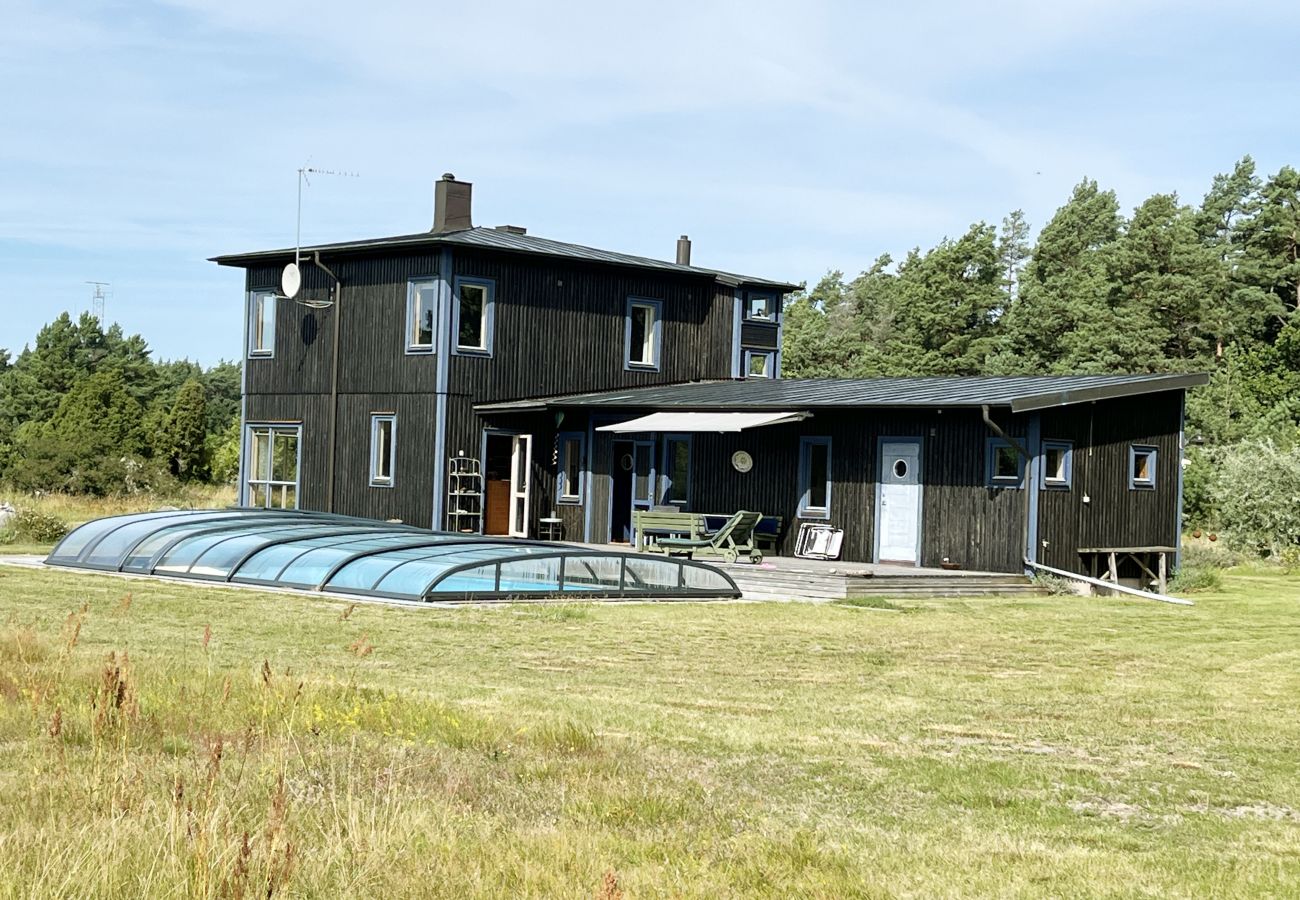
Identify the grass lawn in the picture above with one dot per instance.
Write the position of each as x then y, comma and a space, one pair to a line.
190, 741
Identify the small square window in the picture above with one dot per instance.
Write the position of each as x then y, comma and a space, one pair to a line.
1142, 467
761, 306
1057, 461
1004, 466
759, 364
383, 449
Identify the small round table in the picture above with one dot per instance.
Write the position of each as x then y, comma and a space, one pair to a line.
550, 528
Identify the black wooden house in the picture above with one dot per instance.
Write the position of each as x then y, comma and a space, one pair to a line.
485, 379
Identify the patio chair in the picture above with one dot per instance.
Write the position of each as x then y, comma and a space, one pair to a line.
734, 538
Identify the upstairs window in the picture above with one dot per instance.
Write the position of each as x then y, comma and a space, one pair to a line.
261, 325
421, 316
815, 478
1142, 467
473, 315
643, 334
760, 364
1004, 466
761, 307
569, 489
383, 449
1057, 463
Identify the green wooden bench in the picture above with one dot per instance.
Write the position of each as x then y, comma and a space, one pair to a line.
729, 543
651, 525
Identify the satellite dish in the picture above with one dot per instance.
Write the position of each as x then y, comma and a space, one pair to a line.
291, 280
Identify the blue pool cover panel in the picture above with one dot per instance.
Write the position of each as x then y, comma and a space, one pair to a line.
340, 554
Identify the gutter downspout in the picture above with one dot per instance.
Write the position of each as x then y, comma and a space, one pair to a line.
1026, 481
334, 381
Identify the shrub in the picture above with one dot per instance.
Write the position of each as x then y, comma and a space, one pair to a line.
1054, 584
38, 527
1257, 495
1202, 554
1191, 579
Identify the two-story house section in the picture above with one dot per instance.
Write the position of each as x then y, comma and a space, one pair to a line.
359, 391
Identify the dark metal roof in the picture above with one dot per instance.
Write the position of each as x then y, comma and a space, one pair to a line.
511, 242
1022, 393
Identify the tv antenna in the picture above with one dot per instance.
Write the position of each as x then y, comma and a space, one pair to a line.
291, 278
97, 300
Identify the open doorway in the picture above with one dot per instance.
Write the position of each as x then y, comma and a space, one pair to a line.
507, 483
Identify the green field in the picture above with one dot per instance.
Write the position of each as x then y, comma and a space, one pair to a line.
239, 744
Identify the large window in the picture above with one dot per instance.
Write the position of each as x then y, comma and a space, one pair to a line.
383, 449
643, 333
1003, 464
272, 471
1057, 463
570, 461
815, 478
473, 314
261, 324
677, 470
421, 316
1142, 467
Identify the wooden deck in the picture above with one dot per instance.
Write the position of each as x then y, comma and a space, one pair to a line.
789, 578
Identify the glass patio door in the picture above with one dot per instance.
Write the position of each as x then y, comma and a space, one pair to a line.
521, 464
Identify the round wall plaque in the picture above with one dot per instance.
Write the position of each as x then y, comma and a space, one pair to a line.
742, 461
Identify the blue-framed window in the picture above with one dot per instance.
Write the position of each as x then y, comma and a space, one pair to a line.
472, 315
676, 470
1141, 467
760, 364
383, 449
571, 461
643, 333
814, 478
1004, 467
273, 460
1058, 465
421, 315
261, 324
760, 306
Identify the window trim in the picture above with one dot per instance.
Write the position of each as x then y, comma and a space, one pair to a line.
806, 511
245, 487
771, 306
769, 355
377, 481
1049, 482
413, 286
666, 470
562, 494
254, 297
657, 347
1142, 484
489, 315
991, 446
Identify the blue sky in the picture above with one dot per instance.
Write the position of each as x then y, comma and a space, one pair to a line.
787, 139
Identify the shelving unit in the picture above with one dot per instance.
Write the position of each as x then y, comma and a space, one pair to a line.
464, 495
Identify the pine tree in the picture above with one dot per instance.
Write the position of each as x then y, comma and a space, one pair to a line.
186, 430
1013, 252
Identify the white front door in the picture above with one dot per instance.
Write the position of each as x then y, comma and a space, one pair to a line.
521, 464
899, 525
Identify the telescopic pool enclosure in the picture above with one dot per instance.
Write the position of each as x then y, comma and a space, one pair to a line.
344, 555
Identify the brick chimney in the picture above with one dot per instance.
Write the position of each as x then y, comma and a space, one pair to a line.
451, 204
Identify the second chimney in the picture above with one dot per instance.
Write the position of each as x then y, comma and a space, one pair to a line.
451, 204
683, 251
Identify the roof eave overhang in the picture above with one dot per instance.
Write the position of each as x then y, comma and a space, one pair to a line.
1108, 392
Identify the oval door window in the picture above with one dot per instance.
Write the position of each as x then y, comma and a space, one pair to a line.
900, 468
